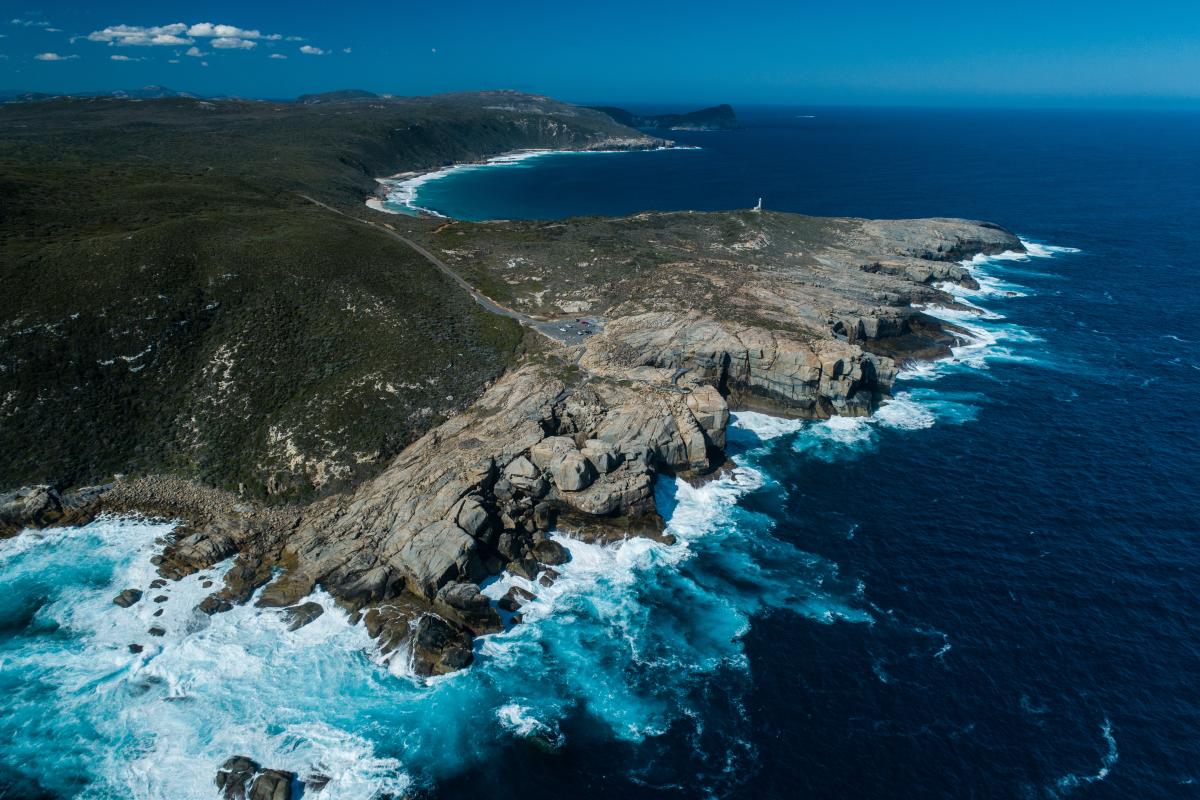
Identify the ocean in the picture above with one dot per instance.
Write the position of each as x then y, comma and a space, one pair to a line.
987, 589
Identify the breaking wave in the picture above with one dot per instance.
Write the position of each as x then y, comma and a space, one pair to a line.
984, 334
634, 642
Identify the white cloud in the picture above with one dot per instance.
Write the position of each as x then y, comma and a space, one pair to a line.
277, 55
53, 57
224, 37
232, 43
123, 58
204, 63
346, 50
209, 30
172, 60
308, 49
136, 35
52, 30
30, 23
194, 52
295, 38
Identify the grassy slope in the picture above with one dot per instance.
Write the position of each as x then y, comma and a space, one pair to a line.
171, 304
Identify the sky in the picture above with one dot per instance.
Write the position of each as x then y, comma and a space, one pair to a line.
854, 52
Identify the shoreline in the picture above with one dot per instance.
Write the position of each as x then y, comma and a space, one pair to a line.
405, 185
268, 546
192, 503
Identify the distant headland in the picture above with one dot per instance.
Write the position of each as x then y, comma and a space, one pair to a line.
716, 118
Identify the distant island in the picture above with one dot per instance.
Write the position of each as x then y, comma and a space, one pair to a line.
394, 408
716, 118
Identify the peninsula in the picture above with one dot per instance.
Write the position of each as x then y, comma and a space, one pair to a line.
207, 323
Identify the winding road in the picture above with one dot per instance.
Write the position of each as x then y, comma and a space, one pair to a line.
564, 331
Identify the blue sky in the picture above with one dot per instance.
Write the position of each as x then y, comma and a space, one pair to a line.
1050, 52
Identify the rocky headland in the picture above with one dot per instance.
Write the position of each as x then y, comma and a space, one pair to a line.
394, 408
688, 317
715, 118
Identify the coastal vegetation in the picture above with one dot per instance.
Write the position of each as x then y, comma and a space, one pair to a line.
172, 304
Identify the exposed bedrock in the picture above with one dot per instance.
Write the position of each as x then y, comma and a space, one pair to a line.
43, 506
570, 440
755, 367
937, 239
479, 494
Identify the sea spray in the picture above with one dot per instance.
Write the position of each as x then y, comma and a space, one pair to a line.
634, 642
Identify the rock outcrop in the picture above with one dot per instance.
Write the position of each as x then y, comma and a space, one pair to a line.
43, 506
241, 778
571, 439
754, 366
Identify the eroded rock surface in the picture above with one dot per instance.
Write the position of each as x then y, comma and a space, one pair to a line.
572, 438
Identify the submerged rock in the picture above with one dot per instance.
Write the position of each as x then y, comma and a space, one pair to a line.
241, 778
299, 616
128, 597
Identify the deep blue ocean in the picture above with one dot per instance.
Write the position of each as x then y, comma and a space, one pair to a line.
987, 590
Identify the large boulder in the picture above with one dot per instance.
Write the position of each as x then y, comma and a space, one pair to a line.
604, 456
234, 776
551, 553
524, 475
514, 598
463, 601
570, 470
473, 518
272, 784
437, 554
128, 597
573, 472
299, 616
438, 647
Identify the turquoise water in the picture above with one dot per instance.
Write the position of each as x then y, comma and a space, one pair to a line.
611, 646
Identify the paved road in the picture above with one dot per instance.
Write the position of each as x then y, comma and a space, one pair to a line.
569, 331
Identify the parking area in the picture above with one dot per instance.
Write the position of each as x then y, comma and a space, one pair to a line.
571, 330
